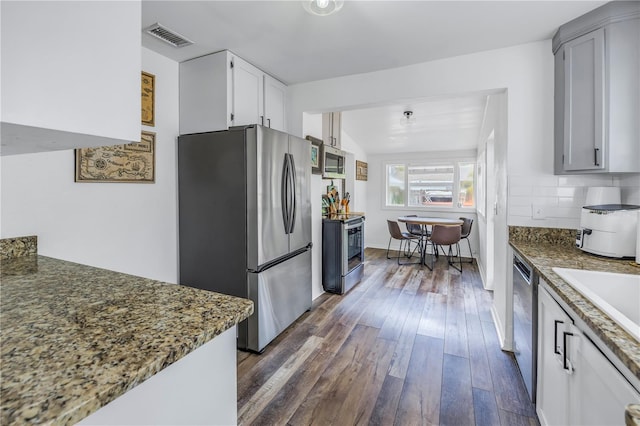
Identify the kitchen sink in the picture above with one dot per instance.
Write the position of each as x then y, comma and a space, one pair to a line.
618, 295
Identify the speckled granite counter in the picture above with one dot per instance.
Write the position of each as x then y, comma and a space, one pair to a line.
556, 249
73, 337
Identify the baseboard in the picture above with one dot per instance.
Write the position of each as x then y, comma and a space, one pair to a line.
499, 327
483, 276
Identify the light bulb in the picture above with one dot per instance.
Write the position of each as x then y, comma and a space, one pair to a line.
322, 7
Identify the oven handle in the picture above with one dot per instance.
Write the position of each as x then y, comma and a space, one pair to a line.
348, 226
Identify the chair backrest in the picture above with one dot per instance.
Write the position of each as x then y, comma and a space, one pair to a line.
466, 226
413, 228
394, 229
445, 235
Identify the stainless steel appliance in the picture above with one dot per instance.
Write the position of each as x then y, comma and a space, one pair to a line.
245, 223
608, 230
342, 252
525, 322
333, 162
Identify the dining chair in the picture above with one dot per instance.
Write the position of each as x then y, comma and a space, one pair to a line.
465, 232
404, 237
415, 229
446, 236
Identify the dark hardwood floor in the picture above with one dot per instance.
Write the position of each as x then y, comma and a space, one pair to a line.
406, 346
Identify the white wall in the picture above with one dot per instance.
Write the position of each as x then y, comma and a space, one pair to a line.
525, 71
126, 227
312, 125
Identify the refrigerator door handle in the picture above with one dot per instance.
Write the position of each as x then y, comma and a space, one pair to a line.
294, 206
284, 193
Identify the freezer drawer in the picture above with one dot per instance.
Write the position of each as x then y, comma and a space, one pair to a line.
280, 295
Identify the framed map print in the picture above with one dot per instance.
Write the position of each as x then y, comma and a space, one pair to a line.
132, 162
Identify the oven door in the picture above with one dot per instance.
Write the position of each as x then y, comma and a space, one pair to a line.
352, 246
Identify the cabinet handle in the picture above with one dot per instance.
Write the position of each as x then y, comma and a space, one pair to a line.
565, 363
555, 336
262, 120
269, 122
595, 156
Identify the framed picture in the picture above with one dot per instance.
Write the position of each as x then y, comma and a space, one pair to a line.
148, 98
316, 159
132, 162
361, 170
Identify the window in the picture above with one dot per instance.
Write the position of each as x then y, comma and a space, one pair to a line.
446, 184
395, 184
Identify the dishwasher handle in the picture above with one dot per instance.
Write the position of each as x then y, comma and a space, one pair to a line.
523, 269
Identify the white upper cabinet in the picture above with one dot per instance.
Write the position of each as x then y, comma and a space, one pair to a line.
247, 94
597, 91
332, 128
274, 103
70, 74
221, 90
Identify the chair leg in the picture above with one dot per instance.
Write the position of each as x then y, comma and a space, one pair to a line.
407, 242
434, 254
388, 247
450, 257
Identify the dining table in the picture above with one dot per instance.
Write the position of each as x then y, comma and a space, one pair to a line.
428, 221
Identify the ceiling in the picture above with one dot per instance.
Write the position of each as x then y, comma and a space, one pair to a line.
443, 124
282, 39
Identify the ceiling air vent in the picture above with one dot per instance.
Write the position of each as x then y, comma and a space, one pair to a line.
167, 35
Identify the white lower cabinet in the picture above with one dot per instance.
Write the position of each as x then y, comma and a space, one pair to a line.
577, 384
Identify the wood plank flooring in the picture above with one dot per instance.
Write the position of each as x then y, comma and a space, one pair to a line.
406, 346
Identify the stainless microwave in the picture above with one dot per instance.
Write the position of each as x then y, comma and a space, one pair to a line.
333, 163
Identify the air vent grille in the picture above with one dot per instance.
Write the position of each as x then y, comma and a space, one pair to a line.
168, 36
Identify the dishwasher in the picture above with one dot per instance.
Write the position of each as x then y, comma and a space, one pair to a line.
525, 322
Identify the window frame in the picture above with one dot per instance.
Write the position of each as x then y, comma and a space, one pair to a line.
455, 161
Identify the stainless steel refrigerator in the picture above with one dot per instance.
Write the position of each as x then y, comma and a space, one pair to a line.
245, 223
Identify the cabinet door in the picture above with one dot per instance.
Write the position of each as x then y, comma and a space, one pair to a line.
247, 93
274, 103
599, 393
553, 381
331, 128
584, 114
337, 129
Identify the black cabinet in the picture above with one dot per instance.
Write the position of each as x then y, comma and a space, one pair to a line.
342, 253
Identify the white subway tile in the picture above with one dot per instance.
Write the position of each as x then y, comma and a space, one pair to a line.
585, 180
520, 211
571, 201
516, 190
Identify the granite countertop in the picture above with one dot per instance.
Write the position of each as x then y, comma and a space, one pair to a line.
545, 255
343, 217
73, 337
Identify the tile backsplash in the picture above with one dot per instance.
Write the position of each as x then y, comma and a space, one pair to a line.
556, 201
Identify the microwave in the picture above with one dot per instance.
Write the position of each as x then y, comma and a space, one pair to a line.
333, 163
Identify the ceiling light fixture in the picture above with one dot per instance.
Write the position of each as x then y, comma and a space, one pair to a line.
322, 7
408, 118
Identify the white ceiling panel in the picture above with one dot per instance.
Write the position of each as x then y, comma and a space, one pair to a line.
450, 124
281, 38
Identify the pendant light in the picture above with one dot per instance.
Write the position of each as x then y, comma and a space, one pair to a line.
322, 7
